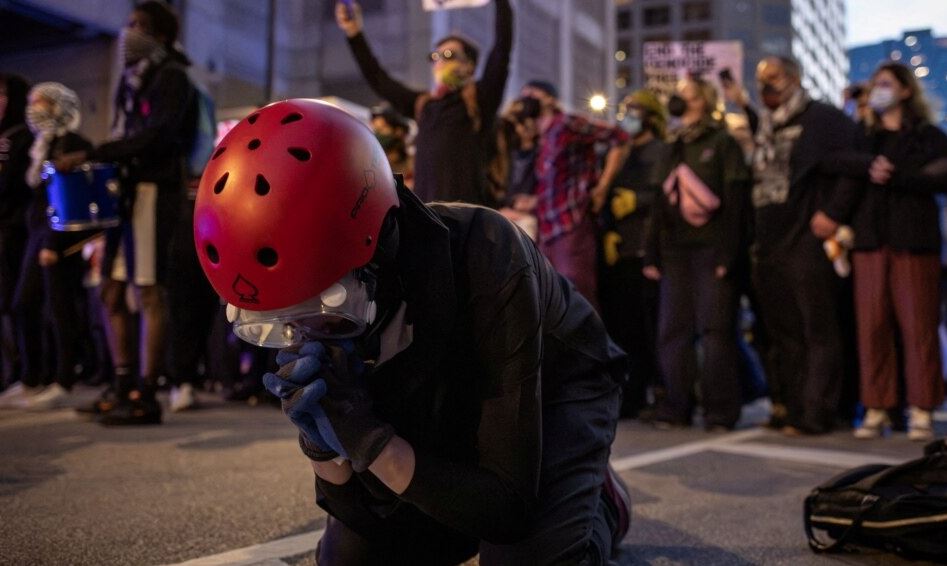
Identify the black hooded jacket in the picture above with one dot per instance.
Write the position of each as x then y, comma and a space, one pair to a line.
498, 335
15, 142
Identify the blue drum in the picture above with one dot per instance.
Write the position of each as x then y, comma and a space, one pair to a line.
85, 198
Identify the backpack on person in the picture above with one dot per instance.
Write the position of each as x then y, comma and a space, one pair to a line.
900, 509
205, 132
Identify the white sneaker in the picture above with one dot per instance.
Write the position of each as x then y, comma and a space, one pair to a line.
16, 395
53, 397
874, 424
920, 424
182, 398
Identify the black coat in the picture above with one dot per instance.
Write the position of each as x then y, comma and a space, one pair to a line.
902, 213
497, 336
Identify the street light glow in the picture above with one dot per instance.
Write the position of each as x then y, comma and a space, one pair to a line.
598, 102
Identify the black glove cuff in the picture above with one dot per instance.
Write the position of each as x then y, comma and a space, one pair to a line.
314, 453
371, 444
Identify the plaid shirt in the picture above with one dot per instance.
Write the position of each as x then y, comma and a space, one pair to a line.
567, 169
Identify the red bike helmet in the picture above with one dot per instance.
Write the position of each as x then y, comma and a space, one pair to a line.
292, 199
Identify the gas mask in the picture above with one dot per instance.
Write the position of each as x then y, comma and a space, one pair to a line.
344, 310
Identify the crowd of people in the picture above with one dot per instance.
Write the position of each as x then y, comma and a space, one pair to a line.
673, 225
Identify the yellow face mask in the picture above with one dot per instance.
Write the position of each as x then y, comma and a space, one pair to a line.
451, 75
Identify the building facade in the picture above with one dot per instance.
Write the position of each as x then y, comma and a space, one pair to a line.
920, 51
810, 31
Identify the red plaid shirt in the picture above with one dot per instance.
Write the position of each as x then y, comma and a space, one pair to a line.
567, 169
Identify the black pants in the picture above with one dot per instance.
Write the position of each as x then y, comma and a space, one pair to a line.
571, 523
192, 302
798, 295
30, 316
630, 312
12, 246
697, 308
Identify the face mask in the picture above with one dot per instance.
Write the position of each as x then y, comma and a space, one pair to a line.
882, 98
632, 124
451, 75
530, 107
677, 106
40, 120
133, 45
387, 141
772, 97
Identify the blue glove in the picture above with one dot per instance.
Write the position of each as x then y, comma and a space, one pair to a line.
300, 390
348, 411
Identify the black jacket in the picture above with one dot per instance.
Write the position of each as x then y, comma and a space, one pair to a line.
902, 213
824, 133
718, 160
497, 336
451, 158
15, 194
159, 130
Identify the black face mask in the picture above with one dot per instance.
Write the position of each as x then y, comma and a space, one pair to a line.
771, 96
677, 106
530, 107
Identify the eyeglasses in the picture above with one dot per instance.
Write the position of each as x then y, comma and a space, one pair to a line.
446, 55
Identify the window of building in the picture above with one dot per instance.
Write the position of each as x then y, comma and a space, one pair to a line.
776, 15
696, 11
697, 35
624, 19
657, 16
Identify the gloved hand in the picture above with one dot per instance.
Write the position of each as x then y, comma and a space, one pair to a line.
348, 407
299, 389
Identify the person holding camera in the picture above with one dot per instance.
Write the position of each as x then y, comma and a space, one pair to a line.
453, 118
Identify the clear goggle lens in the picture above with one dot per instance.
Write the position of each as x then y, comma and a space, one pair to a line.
344, 310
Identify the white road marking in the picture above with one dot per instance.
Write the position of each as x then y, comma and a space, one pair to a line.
688, 449
267, 553
822, 457
270, 553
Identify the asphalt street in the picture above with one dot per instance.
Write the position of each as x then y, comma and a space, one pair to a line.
226, 484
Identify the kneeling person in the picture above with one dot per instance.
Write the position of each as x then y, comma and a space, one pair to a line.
454, 393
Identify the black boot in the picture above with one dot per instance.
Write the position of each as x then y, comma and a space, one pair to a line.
140, 408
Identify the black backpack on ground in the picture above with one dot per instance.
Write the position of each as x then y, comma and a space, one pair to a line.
900, 509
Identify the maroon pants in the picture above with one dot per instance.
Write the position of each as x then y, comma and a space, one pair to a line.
575, 255
896, 289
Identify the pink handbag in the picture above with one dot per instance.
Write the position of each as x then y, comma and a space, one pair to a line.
685, 190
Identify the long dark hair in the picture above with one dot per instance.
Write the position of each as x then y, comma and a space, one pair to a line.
17, 89
916, 110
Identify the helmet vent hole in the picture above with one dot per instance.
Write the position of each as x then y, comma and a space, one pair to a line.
212, 254
300, 153
262, 185
267, 257
290, 118
219, 186
253, 118
254, 144
219, 152
368, 240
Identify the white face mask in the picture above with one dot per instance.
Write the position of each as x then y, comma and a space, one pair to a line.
882, 98
632, 124
133, 45
344, 310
